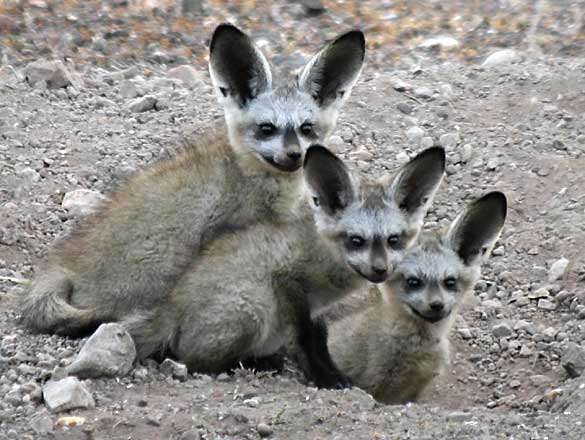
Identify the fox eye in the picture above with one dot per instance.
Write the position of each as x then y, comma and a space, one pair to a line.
394, 241
414, 283
356, 241
307, 129
450, 283
267, 129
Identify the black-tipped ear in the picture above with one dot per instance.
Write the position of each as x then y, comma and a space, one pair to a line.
416, 183
328, 179
238, 69
477, 228
329, 76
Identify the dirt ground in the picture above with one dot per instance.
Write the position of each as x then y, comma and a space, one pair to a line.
518, 128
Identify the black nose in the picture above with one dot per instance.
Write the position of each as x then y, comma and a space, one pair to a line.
380, 270
294, 155
437, 306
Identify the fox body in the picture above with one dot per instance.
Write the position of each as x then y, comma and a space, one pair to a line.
132, 254
395, 347
255, 290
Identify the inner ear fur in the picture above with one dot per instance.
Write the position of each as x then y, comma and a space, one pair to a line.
328, 179
330, 75
477, 228
418, 180
238, 68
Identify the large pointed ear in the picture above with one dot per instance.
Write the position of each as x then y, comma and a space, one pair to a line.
415, 185
328, 179
239, 71
475, 231
329, 76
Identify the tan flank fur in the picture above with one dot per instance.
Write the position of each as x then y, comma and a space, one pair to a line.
132, 255
395, 347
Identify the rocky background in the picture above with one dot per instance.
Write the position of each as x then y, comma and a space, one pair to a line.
92, 91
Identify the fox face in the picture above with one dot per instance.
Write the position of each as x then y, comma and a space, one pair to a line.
434, 275
275, 122
371, 224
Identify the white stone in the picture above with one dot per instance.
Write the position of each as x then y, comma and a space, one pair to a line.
83, 202
557, 269
506, 56
66, 394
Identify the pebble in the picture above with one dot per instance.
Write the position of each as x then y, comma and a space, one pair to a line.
405, 107
109, 352
66, 394
252, 403
414, 135
465, 333
492, 164
175, 369
188, 76
448, 140
402, 157
539, 293
42, 423
506, 56
427, 142
557, 269
53, 74
423, 92
128, 90
83, 202
144, 104
400, 85
501, 330
545, 304
573, 359
442, 42
264, 430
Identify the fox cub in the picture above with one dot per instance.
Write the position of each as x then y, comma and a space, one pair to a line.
132, 254
394, 348
253, 291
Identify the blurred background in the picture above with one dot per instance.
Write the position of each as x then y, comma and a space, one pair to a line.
399, 32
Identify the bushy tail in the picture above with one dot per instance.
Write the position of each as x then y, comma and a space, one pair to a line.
46, 308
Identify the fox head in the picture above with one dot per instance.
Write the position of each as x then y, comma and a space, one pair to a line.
370, 224
432, 278
273, 122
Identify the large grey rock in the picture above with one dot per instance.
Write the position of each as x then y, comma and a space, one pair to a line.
66, 394
109, 352
83, 202
573, 359
54, 74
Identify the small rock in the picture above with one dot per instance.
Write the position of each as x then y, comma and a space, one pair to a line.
466, 152
558, 269
499, 251
54, 74
501, 330
335, 141
252, 403
506, 56
545, 304
442, 42
515, 384
42, 423
465, 333
264, 430
66, 394
187, 75
402, 157
448, 140
427, 142
423, 92
573, 359
175, 369
83, 202
128, 89
109, 352
361, 154
414, 134
526, 351
400, 85
144, 104
405, 107
492, 164
539, 380
539, 293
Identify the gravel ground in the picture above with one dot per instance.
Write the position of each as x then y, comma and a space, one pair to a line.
514, 123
